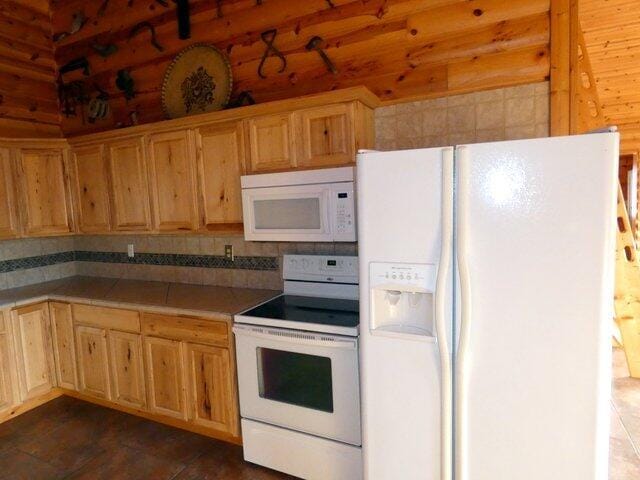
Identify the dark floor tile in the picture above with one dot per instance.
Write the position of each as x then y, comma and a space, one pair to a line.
68, 447
224, 462
127, 463
17, 465
163, 441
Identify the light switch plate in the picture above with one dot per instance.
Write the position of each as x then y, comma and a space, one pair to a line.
130, 252
228, 252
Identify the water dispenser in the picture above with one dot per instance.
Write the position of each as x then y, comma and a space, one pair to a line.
402, 298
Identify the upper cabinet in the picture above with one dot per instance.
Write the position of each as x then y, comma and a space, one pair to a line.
172, 181
130, 191
91, 188
271, 143
43, 191
220, 159
8, 207
326, 136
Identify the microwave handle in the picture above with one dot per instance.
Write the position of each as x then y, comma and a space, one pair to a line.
300, 338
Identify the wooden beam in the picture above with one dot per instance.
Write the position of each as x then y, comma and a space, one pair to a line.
564, 58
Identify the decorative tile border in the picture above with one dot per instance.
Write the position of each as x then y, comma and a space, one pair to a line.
168, 259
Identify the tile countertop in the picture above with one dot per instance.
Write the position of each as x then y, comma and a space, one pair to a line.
157, 296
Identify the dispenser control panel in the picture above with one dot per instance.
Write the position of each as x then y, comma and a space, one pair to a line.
421, 276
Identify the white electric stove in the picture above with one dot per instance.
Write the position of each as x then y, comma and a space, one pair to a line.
298, 372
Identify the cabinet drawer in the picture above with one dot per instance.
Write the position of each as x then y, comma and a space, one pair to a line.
190, 329
104, 317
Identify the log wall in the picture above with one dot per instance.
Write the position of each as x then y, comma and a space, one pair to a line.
400, 49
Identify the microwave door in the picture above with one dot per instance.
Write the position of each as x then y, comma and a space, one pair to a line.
297, 213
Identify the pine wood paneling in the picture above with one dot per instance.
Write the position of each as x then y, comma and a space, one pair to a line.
399, 49
612, 37
28, 95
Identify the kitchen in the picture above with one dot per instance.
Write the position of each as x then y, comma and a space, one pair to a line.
194, 276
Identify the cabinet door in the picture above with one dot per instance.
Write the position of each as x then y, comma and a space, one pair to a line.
127, 368
6, 390
33, 350
212, 398
172, 180
165, 377
271, 142
220, 164
91, 188
44, 194
64, 348
8, 206
130, 192
326, 136
93, 366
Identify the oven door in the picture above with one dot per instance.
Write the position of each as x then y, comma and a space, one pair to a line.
303, 381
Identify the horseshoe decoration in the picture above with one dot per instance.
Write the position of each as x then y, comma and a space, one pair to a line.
268, 37
146, 25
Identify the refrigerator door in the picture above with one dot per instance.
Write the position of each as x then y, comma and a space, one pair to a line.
535, 252
405, 225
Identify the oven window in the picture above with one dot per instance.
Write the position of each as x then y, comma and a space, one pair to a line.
295, 378
287, 214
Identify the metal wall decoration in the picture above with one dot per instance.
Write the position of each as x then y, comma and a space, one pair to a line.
269, 37
98, 106
79, 19
316, 44
184, 25
125, 83
146, 25
198, 80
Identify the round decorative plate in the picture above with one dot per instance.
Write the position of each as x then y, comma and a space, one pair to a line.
198, 80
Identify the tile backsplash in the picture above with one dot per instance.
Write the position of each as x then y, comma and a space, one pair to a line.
178, 258
492, 115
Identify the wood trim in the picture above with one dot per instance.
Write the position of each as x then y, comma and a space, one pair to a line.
31, 404
171, 421
565, 27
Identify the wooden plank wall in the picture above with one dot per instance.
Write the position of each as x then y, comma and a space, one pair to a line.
612, 36
400, 49
28, 96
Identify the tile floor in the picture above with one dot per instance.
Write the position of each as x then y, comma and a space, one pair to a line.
625, 422
67, 438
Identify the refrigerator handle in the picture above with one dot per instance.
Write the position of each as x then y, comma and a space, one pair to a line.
462, 258
443, 283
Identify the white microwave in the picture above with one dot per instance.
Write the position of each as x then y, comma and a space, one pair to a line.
303, 206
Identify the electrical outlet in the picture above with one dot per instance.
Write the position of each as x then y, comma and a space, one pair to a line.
130, 252
228, 252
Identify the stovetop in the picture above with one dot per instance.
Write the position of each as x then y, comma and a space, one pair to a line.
317, 314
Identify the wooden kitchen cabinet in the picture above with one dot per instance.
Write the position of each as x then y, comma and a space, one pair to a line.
220, 159
271, 143
64, 348
9, 227
127, 369
93, 362
212, 387
34, 356
90, 187
129, 185
6, 384
326, 136
165, 377
172, 181
44, 196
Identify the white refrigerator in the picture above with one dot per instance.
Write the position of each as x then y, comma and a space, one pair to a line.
486, 300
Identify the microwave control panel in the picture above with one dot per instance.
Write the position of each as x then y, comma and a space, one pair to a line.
345, 218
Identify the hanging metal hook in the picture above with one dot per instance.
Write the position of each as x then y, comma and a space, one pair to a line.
268, 37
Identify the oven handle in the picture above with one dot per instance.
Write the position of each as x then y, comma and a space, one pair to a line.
299, 338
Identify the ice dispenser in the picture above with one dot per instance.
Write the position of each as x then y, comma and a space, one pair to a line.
402, 297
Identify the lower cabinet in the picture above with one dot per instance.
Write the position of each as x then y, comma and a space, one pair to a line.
93, 366
6, 384
127, 368
64, 348
212, 388
34, 358
165, 376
